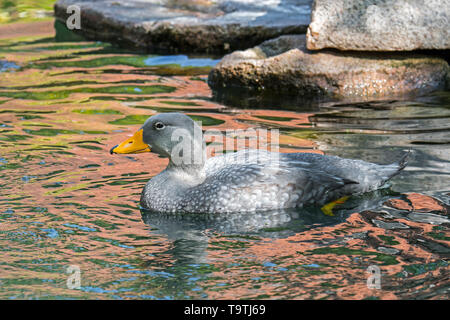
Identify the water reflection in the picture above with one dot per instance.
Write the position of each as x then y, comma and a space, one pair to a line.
385, 129
7, 66
181, 60
64, 200
272, 224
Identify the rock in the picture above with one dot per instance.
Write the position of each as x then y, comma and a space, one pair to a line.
284, 65
379, 25
207, 26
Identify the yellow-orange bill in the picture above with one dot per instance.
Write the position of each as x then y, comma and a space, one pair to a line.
135, 144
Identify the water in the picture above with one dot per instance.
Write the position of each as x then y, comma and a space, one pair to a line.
65, 201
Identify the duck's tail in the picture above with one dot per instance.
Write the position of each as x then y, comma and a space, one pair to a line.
393, 169
403, 162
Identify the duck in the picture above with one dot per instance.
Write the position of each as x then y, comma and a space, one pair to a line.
244, 181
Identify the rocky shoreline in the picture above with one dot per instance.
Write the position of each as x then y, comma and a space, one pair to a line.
379, 25
284, 65
359, 50
188, 26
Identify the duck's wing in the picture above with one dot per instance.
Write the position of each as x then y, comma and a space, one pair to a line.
260, 166
263, 186
249, 157
369, 176
293, 179
282, 173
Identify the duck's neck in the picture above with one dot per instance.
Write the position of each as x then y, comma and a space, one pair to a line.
189, 168
190, 174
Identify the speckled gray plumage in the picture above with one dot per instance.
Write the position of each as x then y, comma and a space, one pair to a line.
253, 180
248, 181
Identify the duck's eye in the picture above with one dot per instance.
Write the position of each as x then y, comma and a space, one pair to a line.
159, 125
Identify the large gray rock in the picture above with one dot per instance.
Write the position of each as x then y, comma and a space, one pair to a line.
379, 25
210, 26
284, 65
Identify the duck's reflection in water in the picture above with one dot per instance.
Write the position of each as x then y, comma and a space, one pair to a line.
191, 233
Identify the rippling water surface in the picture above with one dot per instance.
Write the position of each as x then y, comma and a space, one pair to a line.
64, 200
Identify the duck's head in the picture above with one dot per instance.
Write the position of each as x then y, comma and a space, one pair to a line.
173, 135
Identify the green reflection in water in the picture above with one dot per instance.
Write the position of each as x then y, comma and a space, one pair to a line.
96, 111
63, 94
272, 118
27, 112
207, 121
180, 103
54, 132
36, 124
418, 269
90, 147
131, 119
140, 119
13, 137
385, 259
184, 110
25, 10
133, 61
389, 240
